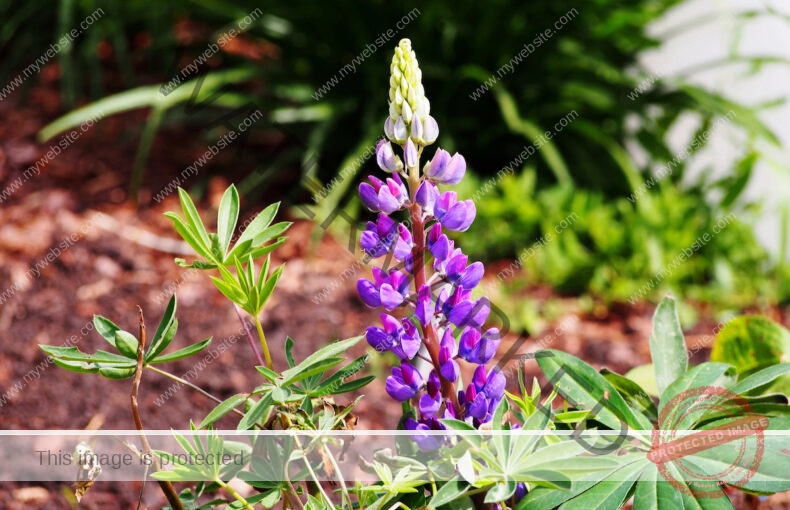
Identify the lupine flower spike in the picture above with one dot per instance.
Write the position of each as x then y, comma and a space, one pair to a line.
446, 323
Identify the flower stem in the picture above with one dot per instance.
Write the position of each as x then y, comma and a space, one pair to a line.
235, 494
263, 343
248, 334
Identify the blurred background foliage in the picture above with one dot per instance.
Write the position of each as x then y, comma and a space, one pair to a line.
588, 65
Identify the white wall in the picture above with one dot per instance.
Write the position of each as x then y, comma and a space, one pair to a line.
767, 36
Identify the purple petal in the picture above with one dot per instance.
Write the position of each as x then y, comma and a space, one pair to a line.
453, 219
428, 406
378, 339
400, 130
398, 390
450, 370
459, 314
484, 351
368, 292
426, 196
441, 248
389, 128
472, 276
371, 243
479, 378
390, 298
410, 154
471, 212
495, 386
438, 165
478, 408
411, 375
369, 197
387, 202
434, 385
456, 168
385, 157
416, 129
467, 343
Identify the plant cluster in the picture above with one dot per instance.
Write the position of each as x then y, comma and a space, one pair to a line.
467, 446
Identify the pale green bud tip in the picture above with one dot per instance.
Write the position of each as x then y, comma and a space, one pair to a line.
406, 95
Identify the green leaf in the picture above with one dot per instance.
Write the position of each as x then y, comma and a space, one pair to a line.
289, 357
190, 237
653, 492
74, 354
222, 409
193, 217
117, 372
127, 344
353, 385
266, 291
761, 379
545, 478
255, 413
667, 346
291, 377
612, 492
268, 373
183, 353
449, 492
256, 227
323, 353
583, 384
106, 328
233, 293
501, 492
165, 331
77, 366
227, 217
703, 375
770, 476
471, 435
634, 395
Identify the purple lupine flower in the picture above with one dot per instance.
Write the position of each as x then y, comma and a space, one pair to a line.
426, 196
444, 169
387, 290
426, 442
448, 350
400, 337
445, 305
452, 214
384, 236
404, 383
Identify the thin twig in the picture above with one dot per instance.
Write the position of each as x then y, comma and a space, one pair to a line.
190, 385
249, 335
167, 487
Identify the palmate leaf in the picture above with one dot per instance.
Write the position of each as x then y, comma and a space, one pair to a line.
580, 382
123, 365
214, 249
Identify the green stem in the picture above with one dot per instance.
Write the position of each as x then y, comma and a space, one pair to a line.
235, 494
263, 343
189, 384
340, 478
